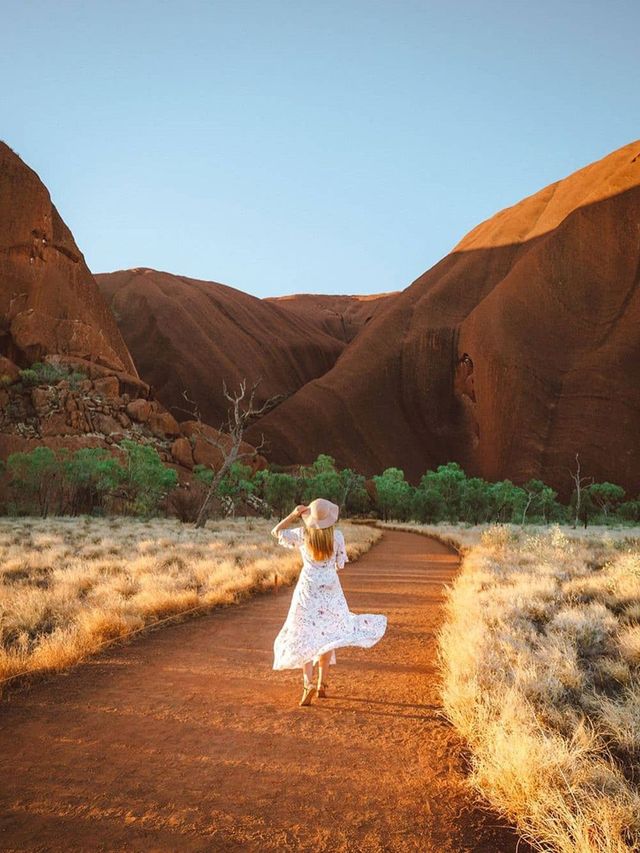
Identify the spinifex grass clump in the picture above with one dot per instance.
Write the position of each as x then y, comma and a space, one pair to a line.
541, 658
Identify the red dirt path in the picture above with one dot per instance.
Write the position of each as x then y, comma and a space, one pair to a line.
187, 739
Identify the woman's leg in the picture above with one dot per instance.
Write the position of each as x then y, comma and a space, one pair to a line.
307, 672
323, 666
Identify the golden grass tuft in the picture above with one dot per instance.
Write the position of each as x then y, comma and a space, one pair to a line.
540, 652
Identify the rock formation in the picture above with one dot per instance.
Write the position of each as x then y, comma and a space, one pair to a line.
518, 350
95, 412
49, 301
342, 317
51, 311
189, 335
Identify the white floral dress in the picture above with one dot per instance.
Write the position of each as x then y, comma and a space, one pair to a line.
319, 619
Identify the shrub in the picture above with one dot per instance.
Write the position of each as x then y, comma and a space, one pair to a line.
146, 480
91, 474
321, 480
354, 498
36, 479
44, 373
394, 494
277, 489
236, 483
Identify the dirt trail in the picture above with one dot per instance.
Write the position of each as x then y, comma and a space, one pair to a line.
187, 739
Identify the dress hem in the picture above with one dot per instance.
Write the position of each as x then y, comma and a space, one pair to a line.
338, 644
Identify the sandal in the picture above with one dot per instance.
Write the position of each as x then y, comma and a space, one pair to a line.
322, 689
307, 694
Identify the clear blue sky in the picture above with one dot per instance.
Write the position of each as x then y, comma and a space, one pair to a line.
281, 146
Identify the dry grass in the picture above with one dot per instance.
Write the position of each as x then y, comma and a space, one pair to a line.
540, 652
69, 585
463, 537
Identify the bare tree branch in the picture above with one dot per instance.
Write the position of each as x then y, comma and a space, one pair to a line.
229, 441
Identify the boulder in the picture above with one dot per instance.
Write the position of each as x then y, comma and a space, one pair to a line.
107, 386
9, 370
182, 453
56, 424
163, 424
139, 410
105, 424
44, 398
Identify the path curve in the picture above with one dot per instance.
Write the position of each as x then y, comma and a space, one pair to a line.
187, 740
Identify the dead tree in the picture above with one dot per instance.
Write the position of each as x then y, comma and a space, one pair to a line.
241, 411
578, 483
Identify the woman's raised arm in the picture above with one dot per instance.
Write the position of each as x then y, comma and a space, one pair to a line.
290, 519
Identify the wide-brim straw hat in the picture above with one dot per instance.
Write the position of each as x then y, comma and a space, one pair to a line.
322, 513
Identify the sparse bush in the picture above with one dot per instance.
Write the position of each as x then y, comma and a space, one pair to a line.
91, 474
278, 490
36, 481
146, 480
44, 373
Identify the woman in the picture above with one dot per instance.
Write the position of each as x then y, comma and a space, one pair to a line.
319, 620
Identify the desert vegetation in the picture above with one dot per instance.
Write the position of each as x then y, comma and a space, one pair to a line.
133, 480
540, 651
68, 585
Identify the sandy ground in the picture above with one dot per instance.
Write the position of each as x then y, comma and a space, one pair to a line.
186, 739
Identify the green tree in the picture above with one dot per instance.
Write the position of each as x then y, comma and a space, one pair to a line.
448, 481
91, 473
236, 483
36, 479
629, 511
583, 508
277, 489
606, 496
321, 480
354, 495
507, 501
427, 504
394, 494
476, 500
146, 479
540, 500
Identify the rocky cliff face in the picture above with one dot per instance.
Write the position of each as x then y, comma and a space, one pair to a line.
52, 312
96, 410
49, 301
519, 349
189, 335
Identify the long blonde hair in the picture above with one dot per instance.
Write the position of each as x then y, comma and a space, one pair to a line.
319, 541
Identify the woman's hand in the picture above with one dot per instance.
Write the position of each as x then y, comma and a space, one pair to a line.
296, 513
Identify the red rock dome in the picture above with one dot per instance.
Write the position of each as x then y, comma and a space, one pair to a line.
518, 350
